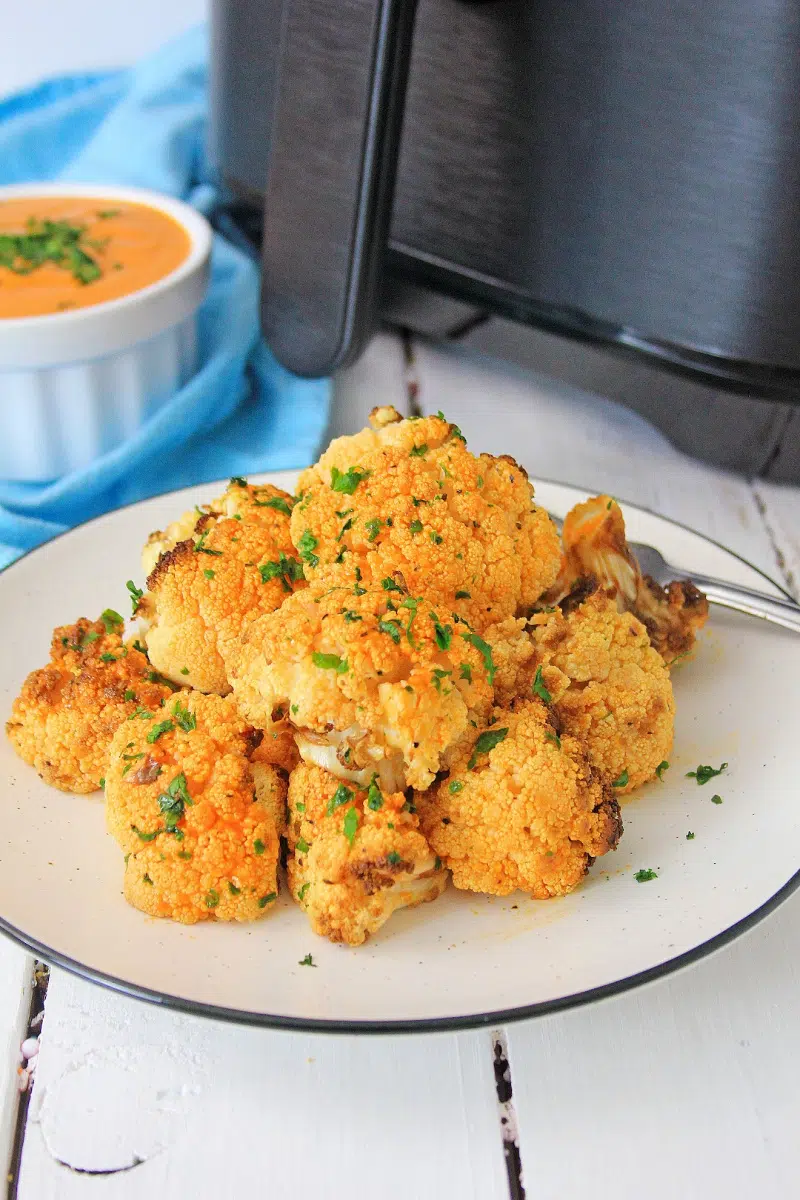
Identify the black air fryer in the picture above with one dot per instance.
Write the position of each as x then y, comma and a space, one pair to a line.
623, 173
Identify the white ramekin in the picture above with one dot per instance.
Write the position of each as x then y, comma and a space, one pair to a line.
75, 384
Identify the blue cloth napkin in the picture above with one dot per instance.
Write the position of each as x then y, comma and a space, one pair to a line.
241, 412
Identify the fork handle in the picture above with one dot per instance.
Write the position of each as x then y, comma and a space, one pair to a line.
756, 604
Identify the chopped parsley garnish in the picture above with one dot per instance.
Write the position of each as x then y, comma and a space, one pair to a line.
463, 595
645, 875
689, 836
108, 657
301, 894
465, 672
661, 768
112, 620
187, 720
349, 615
258, 846
412, 605
144, 714
306, 547
302, 845
287, 569
185, 855
265, 900
347, 481
703, 774
393, 858
146, 879
105, 214
554, 738
299, 806
145, 837
295, 709
341, 796
212, 899
418, 451
173, 802
276, 502
374, 795
329, 662
350, 824
456, 786
157, 730
373, 528
233, 889
442, 633
621, 780
539, 688
200, 546
416, 527
237, 481
306, 962
486, 742
392, 628
209, 573
389, 585
137, 645
436, 538
58, 242
485, 650
716, 799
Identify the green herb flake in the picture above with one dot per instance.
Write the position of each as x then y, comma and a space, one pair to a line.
389, 585
277, 502
373, 528
287, 569
295, 709
374, 795
258, 846
418, 451
187, 720
554, 738
108, 657
302, 845
330, 662
159, 729
209, 573
143, 714
233, 889
416, 526
306, 962
393, 858
486, 742
350, 824
212, 899
185, 855
621, 780
112, 620
351, 616
146, 879
645, 875
539, 688
703, 774
346, 482
306, 547
442, 633
341, 796
265, 900
463, 595
392, 628
690, 836
145, 837
485, 651
238, 481
465, 672
661, 768
716, 799
301, 895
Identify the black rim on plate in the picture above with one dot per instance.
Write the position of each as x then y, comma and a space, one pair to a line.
424, 1024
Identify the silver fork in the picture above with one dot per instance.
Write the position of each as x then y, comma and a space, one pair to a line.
718, 591
728, 595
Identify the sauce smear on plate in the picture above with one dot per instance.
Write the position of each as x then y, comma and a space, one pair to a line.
59, 253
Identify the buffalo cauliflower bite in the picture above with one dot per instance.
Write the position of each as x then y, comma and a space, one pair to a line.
521, 808
355, 855
608, 686
197, 822
64, 718
204, 590
595, 547
372, 679
407, 499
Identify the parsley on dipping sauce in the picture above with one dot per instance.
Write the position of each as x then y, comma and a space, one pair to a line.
347, 481
703, 774
329, 662
58, 242
486, 742
645, 875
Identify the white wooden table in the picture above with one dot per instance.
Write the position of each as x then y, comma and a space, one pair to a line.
687, 1088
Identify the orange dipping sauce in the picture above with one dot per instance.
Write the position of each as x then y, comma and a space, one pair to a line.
130, 245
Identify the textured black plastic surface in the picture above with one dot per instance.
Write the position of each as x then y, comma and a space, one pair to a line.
334, 144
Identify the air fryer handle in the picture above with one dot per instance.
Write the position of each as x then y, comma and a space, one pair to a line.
330, 178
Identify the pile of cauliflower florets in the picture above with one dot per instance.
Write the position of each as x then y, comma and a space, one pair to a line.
398, 677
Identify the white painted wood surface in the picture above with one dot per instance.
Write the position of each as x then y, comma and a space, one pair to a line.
687, 1088
16, 970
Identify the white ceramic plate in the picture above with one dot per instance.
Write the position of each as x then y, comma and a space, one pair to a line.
465, 960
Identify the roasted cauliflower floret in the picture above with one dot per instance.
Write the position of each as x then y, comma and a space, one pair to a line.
204, 590
199, 833
521, 808
64, 718
609, 687
595, 547
373, 679
355, 856
408, 499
